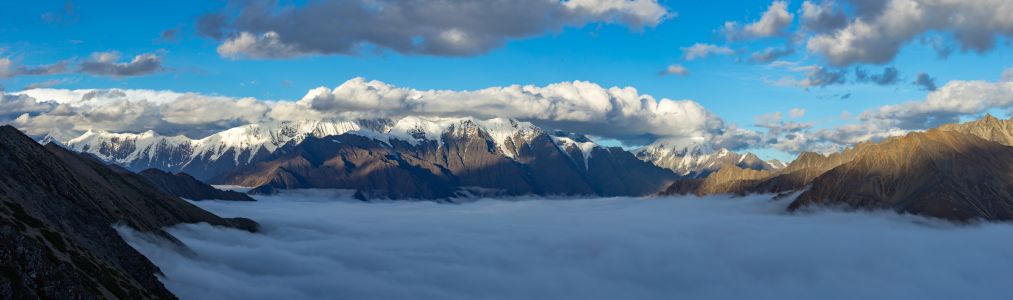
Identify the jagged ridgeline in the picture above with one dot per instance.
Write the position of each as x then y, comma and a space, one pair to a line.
957, 172
413, 157
57, 212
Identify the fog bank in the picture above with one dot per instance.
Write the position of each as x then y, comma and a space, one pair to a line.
618, 248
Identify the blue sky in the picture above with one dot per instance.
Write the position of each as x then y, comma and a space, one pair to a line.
608, 54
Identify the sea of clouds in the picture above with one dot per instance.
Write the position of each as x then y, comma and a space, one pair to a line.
314, 247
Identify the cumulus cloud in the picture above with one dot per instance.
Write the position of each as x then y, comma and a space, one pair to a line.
618, 112
107, 63
675, 69
818, 76
14, 106
67, 113
823, 17
889, 76
770, 54
700, 50
10, 68
580, 106
774, 22
678, 248
945, 105
925, 81
881, 28
261, 29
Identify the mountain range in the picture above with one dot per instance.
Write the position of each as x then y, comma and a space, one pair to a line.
414, 157
446, 158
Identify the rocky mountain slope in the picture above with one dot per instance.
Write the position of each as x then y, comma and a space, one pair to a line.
405, 158
989, 128
699, 161
57, 211
496, 157
957, 172
210, 156
185, 186
943, 174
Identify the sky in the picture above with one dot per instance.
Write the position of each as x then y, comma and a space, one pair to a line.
773, 77
313, 245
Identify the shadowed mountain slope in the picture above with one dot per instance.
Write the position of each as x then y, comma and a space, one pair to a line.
185, 186
57, 211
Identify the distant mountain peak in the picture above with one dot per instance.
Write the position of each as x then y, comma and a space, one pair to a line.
698, 159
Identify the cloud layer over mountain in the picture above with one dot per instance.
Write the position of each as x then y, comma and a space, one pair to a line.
579, 106
620, 113
694, 248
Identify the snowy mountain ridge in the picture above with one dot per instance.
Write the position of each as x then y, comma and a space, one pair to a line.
700, 159
241, 145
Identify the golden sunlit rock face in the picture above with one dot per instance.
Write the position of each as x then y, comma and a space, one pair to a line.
957, 172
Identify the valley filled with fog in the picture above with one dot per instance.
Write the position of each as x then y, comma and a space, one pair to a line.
314, 246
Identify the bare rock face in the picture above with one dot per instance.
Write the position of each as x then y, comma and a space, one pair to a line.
956, 172
465, 157
57, 209
346, 162
942, 174
185, 186
739, 181
988, 128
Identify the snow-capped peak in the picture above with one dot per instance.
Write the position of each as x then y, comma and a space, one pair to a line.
696, 159
563, 140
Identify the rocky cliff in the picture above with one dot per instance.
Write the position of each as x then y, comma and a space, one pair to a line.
943, 174
464, 156
57, 211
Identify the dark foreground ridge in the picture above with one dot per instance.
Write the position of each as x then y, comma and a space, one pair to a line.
185, 186
57, 212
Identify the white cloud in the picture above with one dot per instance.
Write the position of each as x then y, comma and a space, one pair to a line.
11, 68
822, 17
106, 63
876, 37
700, 50
246, 45
447, 28
796, 112
947, 104
579, 106
774, 22
618, 248
675, 69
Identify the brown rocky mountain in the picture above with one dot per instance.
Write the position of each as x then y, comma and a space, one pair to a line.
736, 180
57, 211
957, 172
943, 174
185, 186
410, 157
464, 158
988, 128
